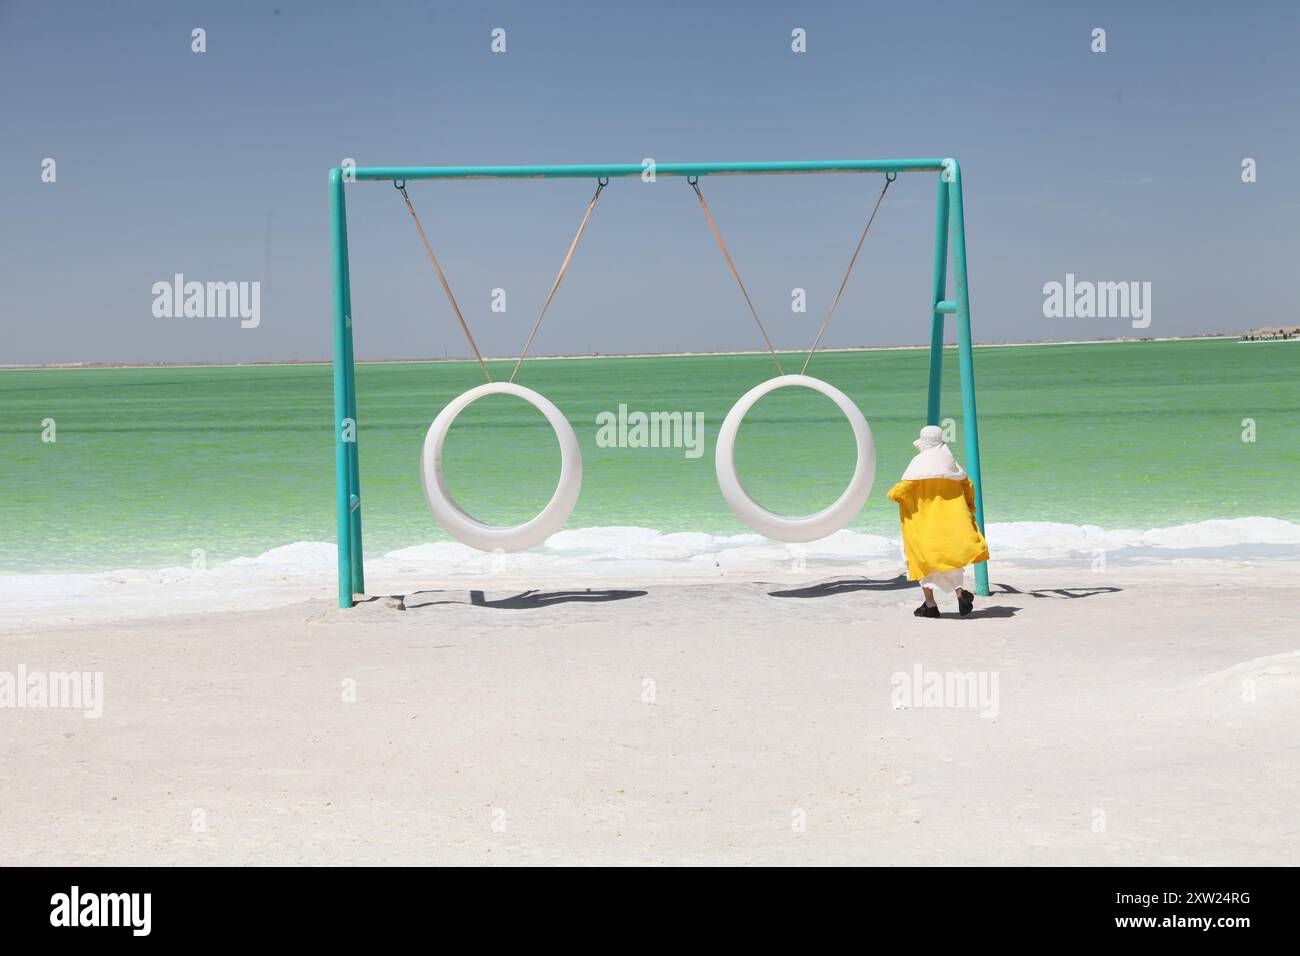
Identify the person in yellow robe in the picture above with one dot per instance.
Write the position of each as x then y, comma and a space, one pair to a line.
936, 506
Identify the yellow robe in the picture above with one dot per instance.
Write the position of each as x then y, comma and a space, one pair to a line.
939, 530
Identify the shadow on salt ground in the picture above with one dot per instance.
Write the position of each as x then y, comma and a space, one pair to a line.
849, 585
994, 610
1066, 593
844, 586
527, 600
532, 600
1004, 610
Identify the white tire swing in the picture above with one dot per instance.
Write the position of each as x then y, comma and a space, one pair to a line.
457, 522
809, 527
838, 515
466, 528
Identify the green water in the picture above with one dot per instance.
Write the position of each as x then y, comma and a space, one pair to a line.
150, 464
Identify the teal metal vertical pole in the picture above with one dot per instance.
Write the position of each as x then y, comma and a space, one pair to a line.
939, 291
342, 363
970, 424
353, 446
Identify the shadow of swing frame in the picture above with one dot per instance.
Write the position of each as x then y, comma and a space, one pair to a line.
950, 234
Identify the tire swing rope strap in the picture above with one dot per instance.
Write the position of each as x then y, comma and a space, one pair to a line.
601, 183
400, 184
889, 179
694, 182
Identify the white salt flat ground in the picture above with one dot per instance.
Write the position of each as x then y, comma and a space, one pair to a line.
1152, 724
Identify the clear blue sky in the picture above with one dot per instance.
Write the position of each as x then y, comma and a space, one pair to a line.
1116, 166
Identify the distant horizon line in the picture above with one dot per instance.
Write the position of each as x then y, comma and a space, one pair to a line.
614, 355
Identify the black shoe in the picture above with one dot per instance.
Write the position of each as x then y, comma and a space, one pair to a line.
926, 611
965, 601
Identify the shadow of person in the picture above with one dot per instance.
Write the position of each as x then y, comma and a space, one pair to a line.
994, 610
844, 586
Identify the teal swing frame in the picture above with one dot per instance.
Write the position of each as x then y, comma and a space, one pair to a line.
950, 236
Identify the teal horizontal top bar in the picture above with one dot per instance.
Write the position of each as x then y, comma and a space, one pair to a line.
620, 170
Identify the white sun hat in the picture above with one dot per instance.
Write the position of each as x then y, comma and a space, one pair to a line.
933, 459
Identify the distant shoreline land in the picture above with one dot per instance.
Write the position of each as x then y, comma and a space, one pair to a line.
1227, 336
